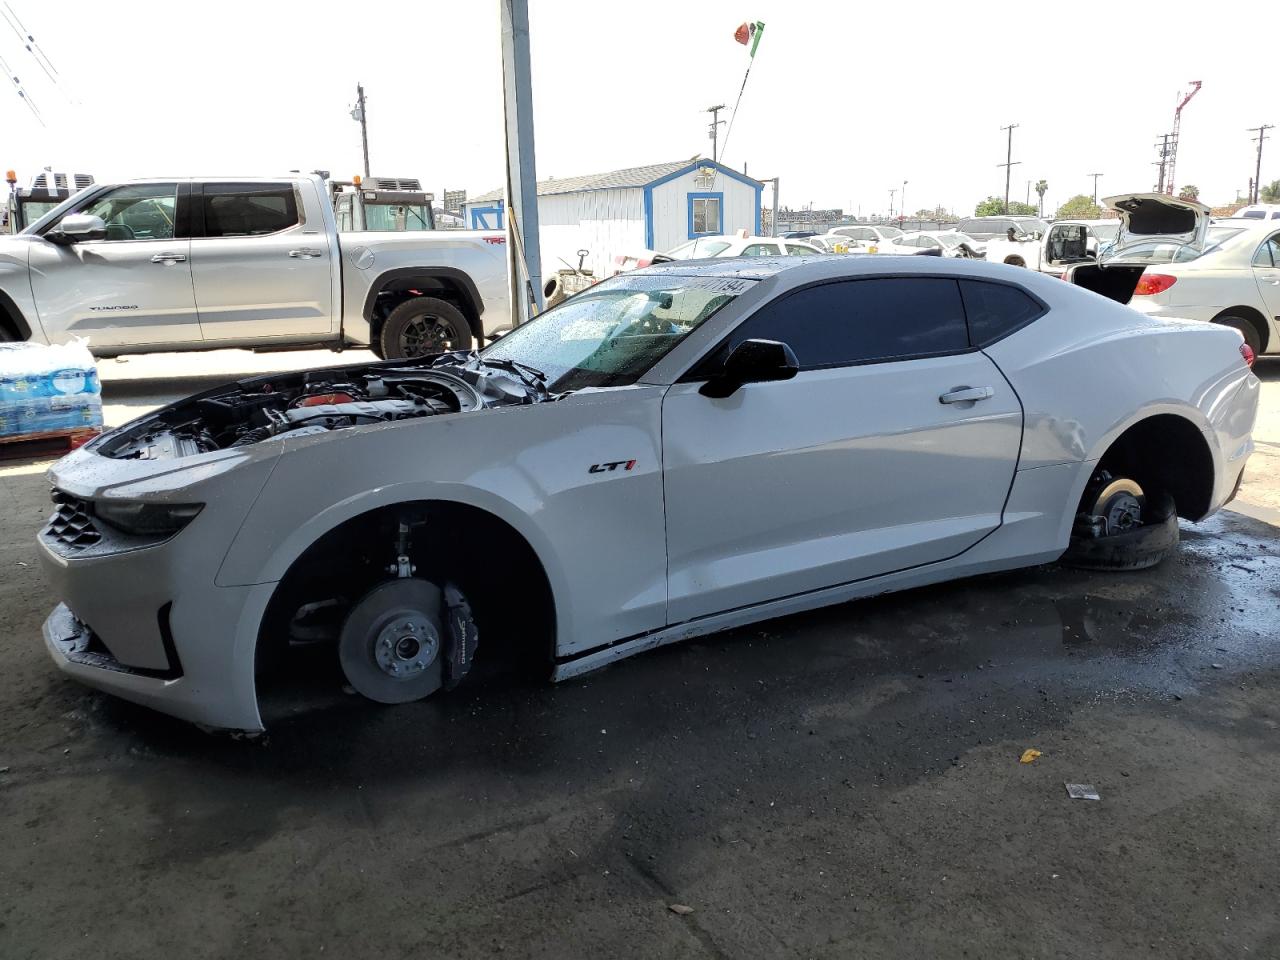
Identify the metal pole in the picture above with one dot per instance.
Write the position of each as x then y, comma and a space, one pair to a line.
364, 128
903, 198
524, 252
1095, 187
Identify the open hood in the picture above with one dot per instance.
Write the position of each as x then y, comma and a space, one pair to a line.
1155, 227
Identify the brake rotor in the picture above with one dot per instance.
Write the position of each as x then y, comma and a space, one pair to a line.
392, 641
1120, 505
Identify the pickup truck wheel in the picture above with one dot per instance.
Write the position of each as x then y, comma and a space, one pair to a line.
422, 327
1247, 330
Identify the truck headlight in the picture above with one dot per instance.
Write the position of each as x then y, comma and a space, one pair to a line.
141, 519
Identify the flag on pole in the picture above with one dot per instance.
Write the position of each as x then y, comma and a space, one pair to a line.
749, 33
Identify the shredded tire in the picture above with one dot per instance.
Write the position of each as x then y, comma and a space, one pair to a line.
1138, 549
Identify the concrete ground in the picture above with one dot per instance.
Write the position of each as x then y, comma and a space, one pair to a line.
837, 784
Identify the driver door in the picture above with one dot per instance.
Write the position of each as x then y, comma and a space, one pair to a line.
869, 461
134, 287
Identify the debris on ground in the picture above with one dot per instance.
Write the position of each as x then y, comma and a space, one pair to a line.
1029, 755
1082, 791
680, 908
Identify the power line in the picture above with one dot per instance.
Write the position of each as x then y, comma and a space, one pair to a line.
28, 41
21, 91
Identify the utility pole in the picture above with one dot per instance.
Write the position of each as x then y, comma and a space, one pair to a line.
1095, 187
1163, 144
358, 113
524, 250
715, 128
1008, 165
1257, 174
892, 193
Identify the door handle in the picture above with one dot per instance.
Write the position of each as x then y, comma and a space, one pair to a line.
967, 395
305, 253
169, 258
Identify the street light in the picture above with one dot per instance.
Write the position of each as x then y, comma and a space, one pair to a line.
903, 217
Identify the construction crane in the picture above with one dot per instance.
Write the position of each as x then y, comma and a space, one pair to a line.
1171, 152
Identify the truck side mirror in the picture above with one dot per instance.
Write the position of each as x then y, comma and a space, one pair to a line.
76, 228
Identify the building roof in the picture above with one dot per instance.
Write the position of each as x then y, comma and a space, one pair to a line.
629, 177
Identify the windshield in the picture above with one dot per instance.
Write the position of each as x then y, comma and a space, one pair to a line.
610, 334
891, 232
701, 247
33, 210
395, 218
1105, 231
948, 240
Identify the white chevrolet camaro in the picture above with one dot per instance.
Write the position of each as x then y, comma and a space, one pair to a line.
672, 452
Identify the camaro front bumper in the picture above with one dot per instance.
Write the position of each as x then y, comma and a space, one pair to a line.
131, 625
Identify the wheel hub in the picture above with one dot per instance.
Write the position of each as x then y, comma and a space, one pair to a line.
425, 335
406, 646
1122, 512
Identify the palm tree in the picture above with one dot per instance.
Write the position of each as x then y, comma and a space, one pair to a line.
1270, 193
1189, 192
1041, 187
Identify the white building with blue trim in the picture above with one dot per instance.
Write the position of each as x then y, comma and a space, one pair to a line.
656, 207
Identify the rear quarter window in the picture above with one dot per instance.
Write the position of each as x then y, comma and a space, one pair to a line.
995, 310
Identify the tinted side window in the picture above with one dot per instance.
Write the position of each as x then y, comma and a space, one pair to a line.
996, 310
248, 209
860, 321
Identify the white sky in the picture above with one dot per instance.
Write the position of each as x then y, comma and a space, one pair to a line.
847, 99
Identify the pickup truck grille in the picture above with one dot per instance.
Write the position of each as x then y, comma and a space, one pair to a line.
71, 523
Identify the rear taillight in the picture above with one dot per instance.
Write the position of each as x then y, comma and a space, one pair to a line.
1152, 283
1246, 351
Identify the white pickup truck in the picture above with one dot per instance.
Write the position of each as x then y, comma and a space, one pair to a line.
1064, 243
207, 263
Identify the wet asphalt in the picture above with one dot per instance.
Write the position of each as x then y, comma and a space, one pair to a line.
843, 783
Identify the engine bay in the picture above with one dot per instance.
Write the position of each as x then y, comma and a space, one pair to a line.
313, 402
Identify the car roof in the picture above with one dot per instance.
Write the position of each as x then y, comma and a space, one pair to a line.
799, 270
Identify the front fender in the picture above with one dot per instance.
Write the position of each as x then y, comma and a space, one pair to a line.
600, 536
239, 570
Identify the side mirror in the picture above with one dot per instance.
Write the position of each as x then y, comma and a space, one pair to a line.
78, 227
752, 361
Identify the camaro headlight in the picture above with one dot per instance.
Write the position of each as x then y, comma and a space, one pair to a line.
141, 519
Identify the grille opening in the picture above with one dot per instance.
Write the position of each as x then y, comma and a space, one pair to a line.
71, 523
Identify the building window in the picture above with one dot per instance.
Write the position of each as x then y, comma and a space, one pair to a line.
706, 214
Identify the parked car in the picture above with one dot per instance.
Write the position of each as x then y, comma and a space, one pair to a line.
673, 452
1065, 242
831, 243
984, 228
154, 265
947, 243
799, 234
1168, 261
737, 245
1258, 211
867, 235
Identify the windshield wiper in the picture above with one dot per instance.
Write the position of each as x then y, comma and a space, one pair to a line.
530, 376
